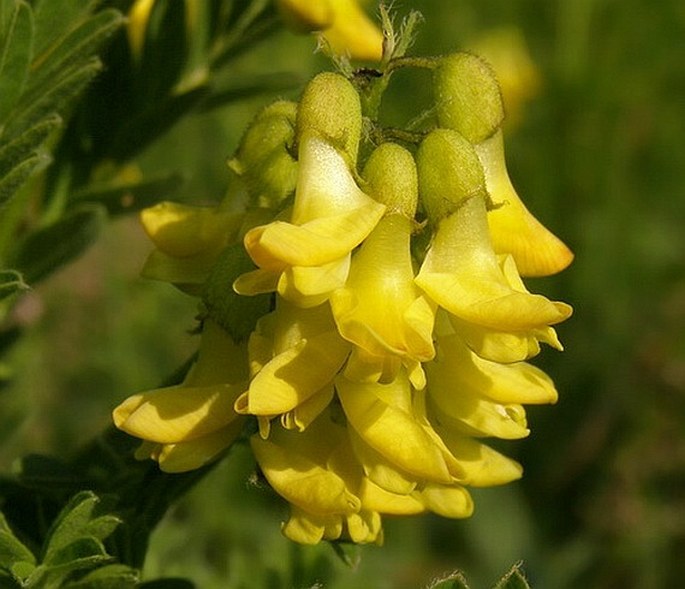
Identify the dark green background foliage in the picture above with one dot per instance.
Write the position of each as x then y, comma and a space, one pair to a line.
598, 157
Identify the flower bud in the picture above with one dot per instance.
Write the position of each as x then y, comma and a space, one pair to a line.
263, 158
330, 108
449, 173
391, 177
467, 96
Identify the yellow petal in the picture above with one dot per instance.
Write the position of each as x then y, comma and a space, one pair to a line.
462, 274
295, 375
306, 412
178, 413
379, 469
305, 15
380, 309
310, 287
381, 414
183, 230
378, 499
256, 282
313, 243
191, 270
505, 383
353, 33
482, 466
306, 528
331, 215
453, 501
192, 454
514, 229
300, 480
364, 527
502, 346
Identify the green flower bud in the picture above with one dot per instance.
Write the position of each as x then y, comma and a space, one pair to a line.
330, 108
263, 158
467, 96
449, 173
391, 179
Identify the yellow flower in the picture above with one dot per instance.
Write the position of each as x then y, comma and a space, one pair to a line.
343, 24
294, 355
312, 471
385, 417
187, 425
188, 241
469, 101
514, 230
380, 309
308, 257
461, 274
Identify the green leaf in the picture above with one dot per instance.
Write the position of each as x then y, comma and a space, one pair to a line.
237, 314
78, 530
57, 98
15, 179
112, 576
53, 246
74, 50
120, 198
514, 579
13, 551
17, 150
350, 554
22, 157
53, 18
22, 569
455, 580
11, 282
82, 552
15, 57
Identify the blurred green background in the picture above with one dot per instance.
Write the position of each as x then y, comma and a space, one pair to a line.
598, 156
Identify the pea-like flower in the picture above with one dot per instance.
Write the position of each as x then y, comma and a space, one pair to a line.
294, 356
186, 426
380, 309
461, 272
308, 257
188, 241
312, 470
469, 101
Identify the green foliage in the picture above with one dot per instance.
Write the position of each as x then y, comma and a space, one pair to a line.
48, 248
73, 553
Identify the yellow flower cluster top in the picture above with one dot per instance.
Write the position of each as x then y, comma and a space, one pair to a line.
399, 327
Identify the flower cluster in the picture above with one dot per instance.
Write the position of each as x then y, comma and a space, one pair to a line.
399, 328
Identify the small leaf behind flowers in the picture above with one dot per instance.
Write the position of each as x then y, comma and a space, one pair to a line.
514, 579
